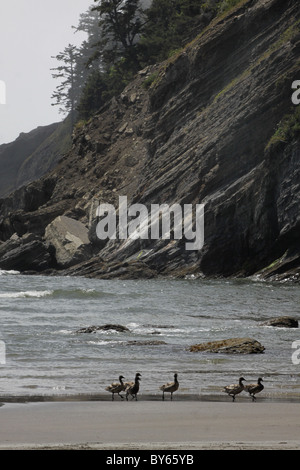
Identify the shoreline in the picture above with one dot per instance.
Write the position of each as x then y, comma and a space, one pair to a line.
150, 425
148, 397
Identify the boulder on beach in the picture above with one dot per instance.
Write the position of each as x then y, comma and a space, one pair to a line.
230, 346
70, 241
282, 322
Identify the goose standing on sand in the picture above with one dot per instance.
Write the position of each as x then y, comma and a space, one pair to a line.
234, 389
116, 387
252, 389
133, 388
131, 384
170, 387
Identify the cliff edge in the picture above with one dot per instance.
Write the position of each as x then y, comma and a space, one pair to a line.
204, 127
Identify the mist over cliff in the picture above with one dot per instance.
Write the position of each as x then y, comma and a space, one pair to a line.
214, 124
32, 155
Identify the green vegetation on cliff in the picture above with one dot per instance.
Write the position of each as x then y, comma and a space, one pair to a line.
287, 129
124, 37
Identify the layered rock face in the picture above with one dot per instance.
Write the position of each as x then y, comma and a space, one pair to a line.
198, 135
28, 253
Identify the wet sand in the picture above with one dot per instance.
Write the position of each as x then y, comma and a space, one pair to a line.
151, 424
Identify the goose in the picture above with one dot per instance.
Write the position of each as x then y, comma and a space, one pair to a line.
252, 389
130, 384
132, 388
170, 387
116, 387
234, 389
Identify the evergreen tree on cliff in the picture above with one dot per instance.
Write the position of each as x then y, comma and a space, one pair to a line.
68, 90
169, 25
121, 23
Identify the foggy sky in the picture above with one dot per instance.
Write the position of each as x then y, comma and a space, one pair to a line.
31, 31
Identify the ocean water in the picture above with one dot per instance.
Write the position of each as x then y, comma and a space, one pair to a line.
45, 356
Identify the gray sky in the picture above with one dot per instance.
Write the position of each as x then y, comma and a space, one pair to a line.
31, 31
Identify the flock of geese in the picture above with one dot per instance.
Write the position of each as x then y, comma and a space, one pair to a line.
132, 388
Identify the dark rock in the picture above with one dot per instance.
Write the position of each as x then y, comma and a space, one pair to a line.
9, 245
282, 322
146, 343
230, 346
100, 269
100, 146
27, 253
93, 329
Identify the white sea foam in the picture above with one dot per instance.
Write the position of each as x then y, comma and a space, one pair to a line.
104, 343
3, 272
65, 332
29, 293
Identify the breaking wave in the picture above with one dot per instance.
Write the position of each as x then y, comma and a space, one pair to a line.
56, 293
29, 293
3, 272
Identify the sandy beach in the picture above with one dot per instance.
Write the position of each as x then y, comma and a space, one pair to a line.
151, 424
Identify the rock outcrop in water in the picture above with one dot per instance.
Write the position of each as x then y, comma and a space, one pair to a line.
107, 327
202, 133
230, 346
282, 322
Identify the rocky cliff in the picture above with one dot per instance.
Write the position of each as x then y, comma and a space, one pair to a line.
201, 127
32, 155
